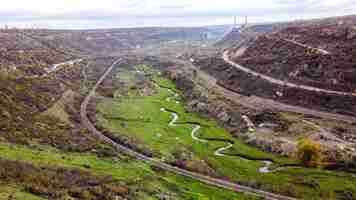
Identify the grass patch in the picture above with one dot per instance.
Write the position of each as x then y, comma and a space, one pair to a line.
51, 157
123, 170
16, 192
149, 126
58, 109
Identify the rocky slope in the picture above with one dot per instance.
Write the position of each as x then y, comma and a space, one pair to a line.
237, 35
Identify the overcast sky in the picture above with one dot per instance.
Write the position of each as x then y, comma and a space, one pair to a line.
130, 13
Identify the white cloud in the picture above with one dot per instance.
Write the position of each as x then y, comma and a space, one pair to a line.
267, 10
144, 6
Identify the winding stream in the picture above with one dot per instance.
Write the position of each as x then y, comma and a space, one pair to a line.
220, 151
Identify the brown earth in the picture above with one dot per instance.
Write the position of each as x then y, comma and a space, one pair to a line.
241, 82
287, 61
278, 54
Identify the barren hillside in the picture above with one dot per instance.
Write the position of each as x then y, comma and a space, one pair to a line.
319, 54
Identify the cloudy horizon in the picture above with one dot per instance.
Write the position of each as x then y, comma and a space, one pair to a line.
90, 14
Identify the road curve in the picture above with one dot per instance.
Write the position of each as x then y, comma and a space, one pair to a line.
55, 67
196, 176
258, 103
322, 51
280, 82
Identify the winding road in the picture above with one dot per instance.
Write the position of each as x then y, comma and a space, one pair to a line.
254, 102
322, 51
270, 79
55, 67
151, 161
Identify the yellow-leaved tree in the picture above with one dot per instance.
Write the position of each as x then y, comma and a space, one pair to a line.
309, 152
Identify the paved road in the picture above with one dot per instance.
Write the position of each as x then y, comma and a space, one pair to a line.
56, 67
322, 51
258, 103
196, 176
280, 82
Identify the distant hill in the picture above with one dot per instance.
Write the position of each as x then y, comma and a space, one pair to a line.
319, 53
238, 34
34, 50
